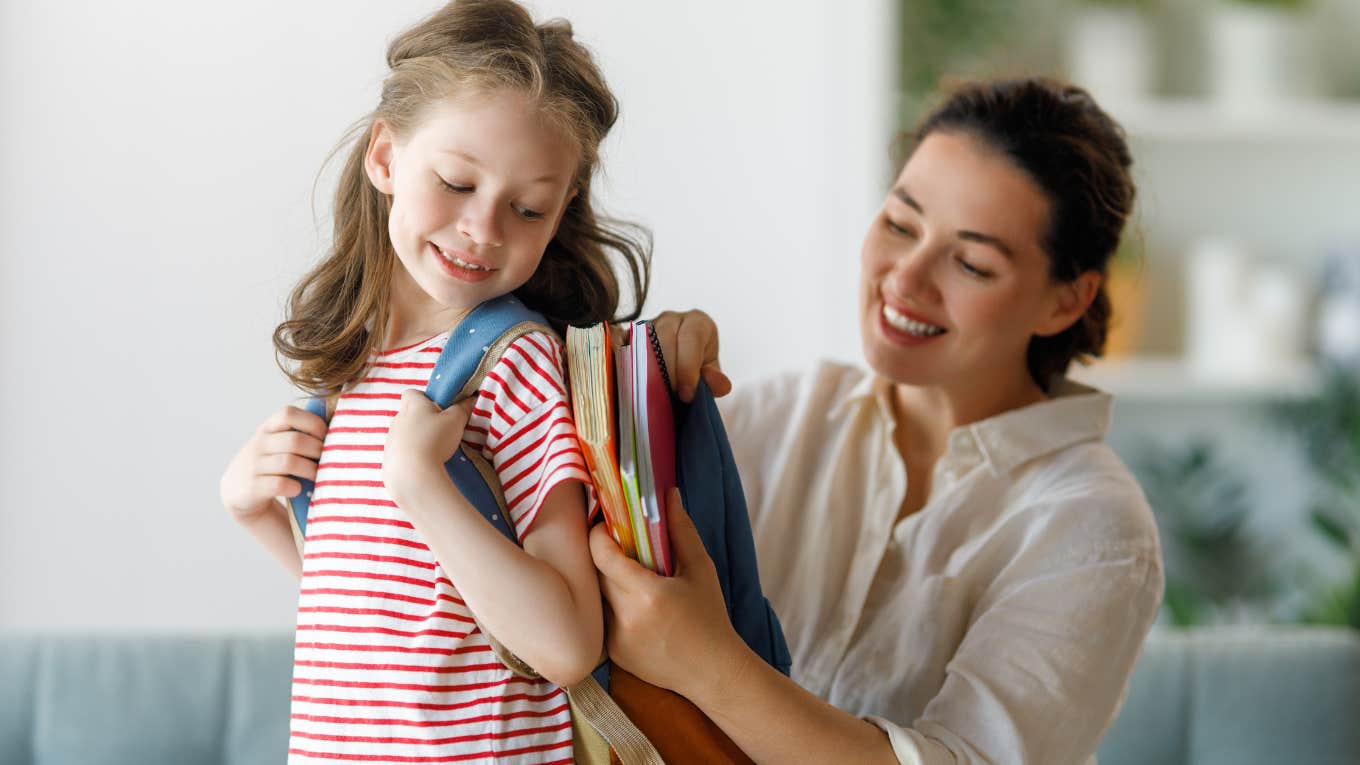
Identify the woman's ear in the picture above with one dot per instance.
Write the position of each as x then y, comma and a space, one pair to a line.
1069, 303
378, 157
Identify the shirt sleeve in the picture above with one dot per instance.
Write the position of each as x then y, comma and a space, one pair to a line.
1044, 667
530, 435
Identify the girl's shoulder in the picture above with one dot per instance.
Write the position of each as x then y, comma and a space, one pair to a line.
530, 369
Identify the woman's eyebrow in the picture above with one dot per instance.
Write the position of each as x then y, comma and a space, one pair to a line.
907, 199
1002, 247
970, 236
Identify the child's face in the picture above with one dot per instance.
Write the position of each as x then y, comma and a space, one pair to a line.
955, 279
478, 190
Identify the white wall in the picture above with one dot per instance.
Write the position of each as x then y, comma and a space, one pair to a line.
156, 169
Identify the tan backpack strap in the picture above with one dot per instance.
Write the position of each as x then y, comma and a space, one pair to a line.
497, 349
590, 702
489, 359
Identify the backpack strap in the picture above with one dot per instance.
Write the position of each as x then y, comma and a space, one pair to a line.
473, 348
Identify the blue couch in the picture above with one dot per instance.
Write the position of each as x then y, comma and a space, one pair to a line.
1202, 697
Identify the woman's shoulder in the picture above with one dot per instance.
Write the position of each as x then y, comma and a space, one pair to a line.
1086, 491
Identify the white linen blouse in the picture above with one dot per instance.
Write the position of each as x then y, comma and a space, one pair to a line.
999, 623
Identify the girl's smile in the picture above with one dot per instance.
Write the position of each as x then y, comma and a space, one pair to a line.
461, 265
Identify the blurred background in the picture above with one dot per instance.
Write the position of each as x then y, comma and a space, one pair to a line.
163, 188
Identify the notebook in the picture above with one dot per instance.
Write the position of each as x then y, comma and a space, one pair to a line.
590, 369
654, 435
637, 464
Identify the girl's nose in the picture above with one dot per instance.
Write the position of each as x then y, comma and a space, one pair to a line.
480, 224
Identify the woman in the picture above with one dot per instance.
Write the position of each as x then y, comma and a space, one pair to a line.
964, 571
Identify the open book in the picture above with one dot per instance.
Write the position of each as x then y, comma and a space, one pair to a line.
624, 419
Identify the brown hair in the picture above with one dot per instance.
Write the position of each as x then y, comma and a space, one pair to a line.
337, 313
1077, 155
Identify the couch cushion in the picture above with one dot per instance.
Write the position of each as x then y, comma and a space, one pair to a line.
131, 700
1212, 696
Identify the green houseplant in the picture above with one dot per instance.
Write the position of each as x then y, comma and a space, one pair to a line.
1328, 426
1215, 569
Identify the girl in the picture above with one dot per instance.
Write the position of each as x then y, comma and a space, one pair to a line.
964, 571
469, 181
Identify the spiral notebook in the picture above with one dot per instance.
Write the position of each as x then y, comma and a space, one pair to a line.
625, 420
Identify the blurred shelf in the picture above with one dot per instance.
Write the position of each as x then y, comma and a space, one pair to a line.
1203, 120
1173, 380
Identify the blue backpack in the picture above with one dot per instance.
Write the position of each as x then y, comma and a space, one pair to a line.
705, 472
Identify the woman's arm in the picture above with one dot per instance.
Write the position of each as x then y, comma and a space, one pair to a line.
542, 601
1037, 678
674, 632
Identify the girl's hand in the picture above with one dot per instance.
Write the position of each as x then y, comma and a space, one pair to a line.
420, 440
670, 631
287, 444
689, 341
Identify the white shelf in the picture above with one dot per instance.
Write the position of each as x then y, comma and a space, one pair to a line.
1168, 379
1202, 120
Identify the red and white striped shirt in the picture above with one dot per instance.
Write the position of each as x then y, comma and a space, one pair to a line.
389, 666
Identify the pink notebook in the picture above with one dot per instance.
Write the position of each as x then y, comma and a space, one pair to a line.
654, 425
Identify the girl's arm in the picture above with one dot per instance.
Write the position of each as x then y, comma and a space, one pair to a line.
272, 530
285, 445
674, 632
541, 601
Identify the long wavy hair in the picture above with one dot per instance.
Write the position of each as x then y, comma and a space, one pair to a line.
337, 313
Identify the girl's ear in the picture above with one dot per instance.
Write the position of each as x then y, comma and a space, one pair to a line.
378, 157
1070, 301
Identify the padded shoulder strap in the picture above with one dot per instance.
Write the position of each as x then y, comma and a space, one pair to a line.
476, 344
473, 348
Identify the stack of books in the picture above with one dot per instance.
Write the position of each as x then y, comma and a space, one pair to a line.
621, 399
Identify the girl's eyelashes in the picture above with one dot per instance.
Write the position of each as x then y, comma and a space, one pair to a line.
524, 212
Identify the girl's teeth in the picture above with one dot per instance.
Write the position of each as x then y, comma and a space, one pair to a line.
912, 327
454, 259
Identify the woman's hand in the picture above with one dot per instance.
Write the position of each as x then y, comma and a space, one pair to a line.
670, 631
420, 440
689, 341
287, 444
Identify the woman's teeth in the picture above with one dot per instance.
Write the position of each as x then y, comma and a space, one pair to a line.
912, 327
457, 261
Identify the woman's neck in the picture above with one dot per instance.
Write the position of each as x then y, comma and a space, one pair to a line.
926, 415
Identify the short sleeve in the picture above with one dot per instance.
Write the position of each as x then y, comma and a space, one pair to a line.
530, 438
1043, 668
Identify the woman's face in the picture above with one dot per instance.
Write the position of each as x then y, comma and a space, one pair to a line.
955, 280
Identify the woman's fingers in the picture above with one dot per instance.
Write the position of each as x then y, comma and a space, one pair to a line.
718, 381
667, 329
686, 546
689, 343
616, 569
